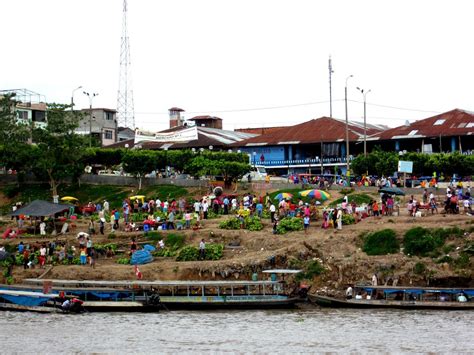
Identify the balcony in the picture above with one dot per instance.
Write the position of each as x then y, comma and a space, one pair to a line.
303, 162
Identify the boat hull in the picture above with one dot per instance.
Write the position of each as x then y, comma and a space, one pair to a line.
325, 301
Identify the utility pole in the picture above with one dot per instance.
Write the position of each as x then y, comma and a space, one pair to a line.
330, 86
90, 96
72, 97
364, 94
347, 132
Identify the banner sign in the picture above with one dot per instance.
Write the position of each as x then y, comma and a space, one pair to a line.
184, 135
405, 166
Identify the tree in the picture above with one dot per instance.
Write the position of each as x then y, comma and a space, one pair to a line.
139, 163
57, 151
14, 136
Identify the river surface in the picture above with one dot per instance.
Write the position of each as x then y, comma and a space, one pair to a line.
285, 331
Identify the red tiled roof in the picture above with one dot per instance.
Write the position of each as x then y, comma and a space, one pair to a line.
452, 123
324, 129
207, 117
259, 130
176, 109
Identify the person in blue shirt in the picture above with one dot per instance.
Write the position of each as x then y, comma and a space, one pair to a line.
21, 248
259, 209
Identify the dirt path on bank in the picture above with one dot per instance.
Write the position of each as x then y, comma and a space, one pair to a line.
338, 251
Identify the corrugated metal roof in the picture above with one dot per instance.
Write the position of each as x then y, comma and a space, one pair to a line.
324, 129
452, 123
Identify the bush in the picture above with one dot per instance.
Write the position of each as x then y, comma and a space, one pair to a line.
253, 223
419, 269
421, 241
348, 219
174, 241
310, 270
123, 261
188, 253
463, 261
111, 236
381, 243
231, 223
289, 224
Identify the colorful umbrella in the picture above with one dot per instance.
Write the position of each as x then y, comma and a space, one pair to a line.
138, 197
69, 198
283, 195
317, 194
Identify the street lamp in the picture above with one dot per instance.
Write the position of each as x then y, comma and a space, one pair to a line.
364, 94
90, 96
347, 129
72, 96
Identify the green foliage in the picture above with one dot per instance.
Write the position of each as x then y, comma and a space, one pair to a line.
58, 152
419, 268
230, 223
463, 261
445, 259
214, 251
104, 247
188, 253
311, 269
191, 253
422, 241
111, 236
381, 243
377, 162
123, 261
348, 219
253, 223
289, 224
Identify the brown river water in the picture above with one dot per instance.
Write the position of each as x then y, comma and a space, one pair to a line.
283, 331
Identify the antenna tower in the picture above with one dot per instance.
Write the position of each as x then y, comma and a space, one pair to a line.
330, 86
125, 108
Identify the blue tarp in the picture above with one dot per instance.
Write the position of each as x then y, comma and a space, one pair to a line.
26, 300
149, 247
141, 257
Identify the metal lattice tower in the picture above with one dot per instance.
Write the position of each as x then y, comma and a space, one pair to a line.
125, 108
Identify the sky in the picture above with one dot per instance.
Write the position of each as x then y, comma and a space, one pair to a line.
252, 63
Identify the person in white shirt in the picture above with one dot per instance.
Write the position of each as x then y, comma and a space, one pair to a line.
42, 228
234, 204
197, 207
272, 212
339, 219
205, 207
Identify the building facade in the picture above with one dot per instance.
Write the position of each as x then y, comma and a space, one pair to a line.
101, 124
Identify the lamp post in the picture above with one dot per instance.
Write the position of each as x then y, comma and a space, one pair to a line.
347, 129
364, 94
72, 97
90, 96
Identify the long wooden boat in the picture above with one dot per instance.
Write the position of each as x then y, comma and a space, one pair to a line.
28, 301
402, 298
141, 296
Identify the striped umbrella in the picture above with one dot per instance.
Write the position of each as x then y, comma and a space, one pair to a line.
283, 195
317, 194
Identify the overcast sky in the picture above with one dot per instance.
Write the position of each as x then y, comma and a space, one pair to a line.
212, 56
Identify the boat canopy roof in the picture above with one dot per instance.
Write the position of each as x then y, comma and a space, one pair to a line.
281, 271
137, 284
417, 290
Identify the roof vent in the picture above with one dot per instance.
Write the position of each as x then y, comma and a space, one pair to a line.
407, 123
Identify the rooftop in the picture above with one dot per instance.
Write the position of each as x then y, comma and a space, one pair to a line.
452, 123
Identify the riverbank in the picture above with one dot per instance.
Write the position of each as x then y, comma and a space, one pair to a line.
338, 253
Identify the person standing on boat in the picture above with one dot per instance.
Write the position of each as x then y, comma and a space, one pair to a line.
375, 280
202, 250
349, 293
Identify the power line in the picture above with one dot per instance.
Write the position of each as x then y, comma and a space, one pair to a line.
395, 108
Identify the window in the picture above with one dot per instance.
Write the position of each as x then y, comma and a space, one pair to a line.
439, 122
22, 115
412, 133
109, 116
39, 116
108, 134
470, 125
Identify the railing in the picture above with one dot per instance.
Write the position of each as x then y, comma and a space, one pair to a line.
316, 161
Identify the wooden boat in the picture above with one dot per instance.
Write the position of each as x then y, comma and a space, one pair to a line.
401, 297
28, 301
145, 296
